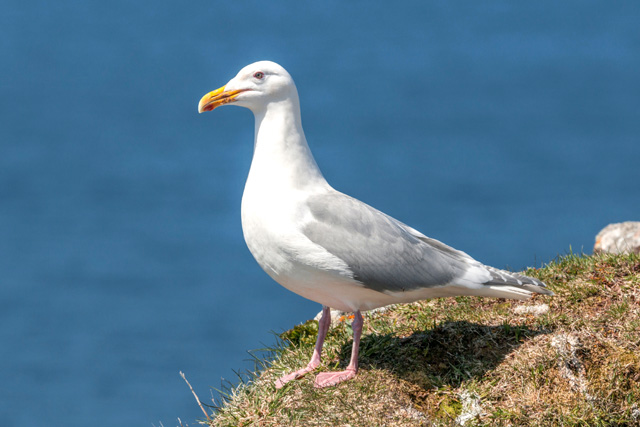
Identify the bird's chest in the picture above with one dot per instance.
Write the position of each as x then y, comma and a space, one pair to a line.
273, 224
270, 223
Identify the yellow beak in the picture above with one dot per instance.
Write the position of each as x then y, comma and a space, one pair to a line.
217, 98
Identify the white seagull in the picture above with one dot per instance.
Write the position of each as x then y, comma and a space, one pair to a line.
329, 247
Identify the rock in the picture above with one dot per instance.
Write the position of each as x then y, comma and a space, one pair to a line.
619, 238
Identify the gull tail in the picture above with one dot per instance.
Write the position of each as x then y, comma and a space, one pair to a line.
484, 281
505, 284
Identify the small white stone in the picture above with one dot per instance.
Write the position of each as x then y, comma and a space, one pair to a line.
470, 407
536, 310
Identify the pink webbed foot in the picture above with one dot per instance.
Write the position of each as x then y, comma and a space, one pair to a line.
328, 379
323, 327
294, 375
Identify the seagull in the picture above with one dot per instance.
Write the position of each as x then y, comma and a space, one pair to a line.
327, 246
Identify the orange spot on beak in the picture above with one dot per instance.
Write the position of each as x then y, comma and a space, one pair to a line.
217, 98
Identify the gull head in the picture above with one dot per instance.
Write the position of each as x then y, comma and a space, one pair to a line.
255, 87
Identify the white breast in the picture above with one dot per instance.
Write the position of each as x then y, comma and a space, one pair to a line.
272, 223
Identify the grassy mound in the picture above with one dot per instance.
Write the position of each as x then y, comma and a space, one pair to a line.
572, 360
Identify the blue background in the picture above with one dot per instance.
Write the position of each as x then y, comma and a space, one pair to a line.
507, 130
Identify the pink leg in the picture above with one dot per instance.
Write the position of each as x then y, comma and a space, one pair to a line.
326, 379
323, 327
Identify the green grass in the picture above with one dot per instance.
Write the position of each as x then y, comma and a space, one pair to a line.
578, 364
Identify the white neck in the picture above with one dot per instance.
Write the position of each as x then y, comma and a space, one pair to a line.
281, 155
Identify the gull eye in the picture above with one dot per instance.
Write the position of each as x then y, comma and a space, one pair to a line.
259, 75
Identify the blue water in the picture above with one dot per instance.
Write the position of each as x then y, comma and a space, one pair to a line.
508, 130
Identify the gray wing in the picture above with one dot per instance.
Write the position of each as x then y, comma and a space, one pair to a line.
381, 252
389, 256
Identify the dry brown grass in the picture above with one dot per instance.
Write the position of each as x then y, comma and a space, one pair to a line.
472, 361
